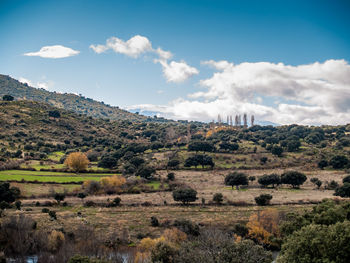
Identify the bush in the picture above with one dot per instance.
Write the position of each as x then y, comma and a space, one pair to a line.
241, 230
146, 172
236, 179
52, 215
263, 199
18, 205
343, 191
4, 205
59, 197
116, 202
332, 185
269, 179
346, 179
198, 146
171, 176
89, 203
107, 161
277, 150
322, 164
263, 160
294, 178
185, 195
154, 221
339, 161
252, 178
45, 210
316, 182
8, 98
187, 227
77, 161
218, 198
8, 194
173, 163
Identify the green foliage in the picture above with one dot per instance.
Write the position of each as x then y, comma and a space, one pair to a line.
277, 150
187, 227
146, 172
236, 179
294, 178
198, 146
322, 164
343, 191
154, 221
8, 98
107, 161
163, 252
171, 176
199, 159
173, 163
218, 198
346, 179
59, 197
8, 194
339, 161
185, 195
54, 114
269, 179
263, 199
318, 243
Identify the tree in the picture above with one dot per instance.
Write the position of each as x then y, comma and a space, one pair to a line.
54, 114
137, 161
8, 194
263, 160
185, 195
263, 199
346, 179
318, 243
316, 182
293, 145
146, 172
107, 161
252, 178
322, 164
8, 98
294, 178
59, 197
269, 179
77, 161
236, 179
218, 198
173, 163
339, 161
229, 146
199, 159
343, 191
197, 146
81, 195
277, 150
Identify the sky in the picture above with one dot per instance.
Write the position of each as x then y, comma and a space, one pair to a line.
282, 61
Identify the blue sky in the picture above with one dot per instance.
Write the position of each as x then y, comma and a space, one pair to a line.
290, 32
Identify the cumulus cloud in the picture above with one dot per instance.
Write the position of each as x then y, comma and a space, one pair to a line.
133, 47
317, 93
56, 51
177, 71
137, 45
39, 84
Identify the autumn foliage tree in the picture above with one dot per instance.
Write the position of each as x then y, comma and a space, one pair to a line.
77, 161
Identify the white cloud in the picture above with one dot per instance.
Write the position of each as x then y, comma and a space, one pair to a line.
39, 84
134, 47
137, 45
177, 71
317, 93
56, 51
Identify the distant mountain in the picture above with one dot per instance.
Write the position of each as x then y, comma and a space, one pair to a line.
67, 101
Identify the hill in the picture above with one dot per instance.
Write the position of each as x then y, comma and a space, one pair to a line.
67, 101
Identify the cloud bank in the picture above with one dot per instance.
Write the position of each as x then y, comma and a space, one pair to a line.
138, 45
56, 51
317, 93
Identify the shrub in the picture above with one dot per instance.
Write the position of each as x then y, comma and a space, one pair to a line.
332, 185
171, 176
4, 205
187, 227
7, 97
18, 205
146, 172
277, 150
116, 201
198, 146
173, 163
77, 161
81, 195
154, 221
45, 210
343, 191
346, 179
241, 230
252, 178
218, 198
263, 160
236, 179
89, 203
339, 161
52, 215
316, 182
107, 161
59, 197
294, 178
8, 194
185, 195
263, 199
269, 179
322, 164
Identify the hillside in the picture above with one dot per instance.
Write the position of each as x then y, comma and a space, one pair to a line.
67, 101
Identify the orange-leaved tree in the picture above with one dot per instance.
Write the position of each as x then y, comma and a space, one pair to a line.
77, 161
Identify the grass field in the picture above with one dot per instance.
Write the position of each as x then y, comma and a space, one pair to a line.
41, 176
